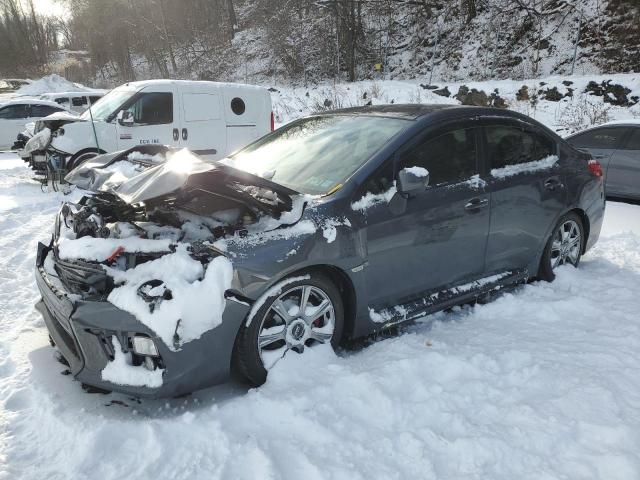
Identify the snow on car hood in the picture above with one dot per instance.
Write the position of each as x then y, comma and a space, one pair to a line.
136, 177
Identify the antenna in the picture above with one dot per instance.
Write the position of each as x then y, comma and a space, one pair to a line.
93, 126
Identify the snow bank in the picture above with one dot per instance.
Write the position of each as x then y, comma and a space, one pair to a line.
51, 84
198, 295
121, 372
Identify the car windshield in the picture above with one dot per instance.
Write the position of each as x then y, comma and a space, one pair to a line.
316, 155
108, 104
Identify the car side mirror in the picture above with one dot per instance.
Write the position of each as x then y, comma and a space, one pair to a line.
125, 118
412, 180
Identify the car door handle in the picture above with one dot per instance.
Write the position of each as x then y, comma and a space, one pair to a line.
552, 184
476, 204
185, 134
600, 156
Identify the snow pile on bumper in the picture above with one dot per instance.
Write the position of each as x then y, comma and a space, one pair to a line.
197, 301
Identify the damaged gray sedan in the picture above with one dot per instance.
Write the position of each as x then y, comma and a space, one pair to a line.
170, 273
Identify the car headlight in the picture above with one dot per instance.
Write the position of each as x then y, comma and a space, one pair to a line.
39, 141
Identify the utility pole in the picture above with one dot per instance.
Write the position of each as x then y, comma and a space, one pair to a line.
575, 47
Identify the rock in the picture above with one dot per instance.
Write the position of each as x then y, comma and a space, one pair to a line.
552, 94
474, 97
274, 90
567, 83
495, 100
364, 96
522, 94
614, 94
327, 103
443, 92
428, 87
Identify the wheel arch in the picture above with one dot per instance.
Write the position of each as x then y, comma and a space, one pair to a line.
74, 157
586, 225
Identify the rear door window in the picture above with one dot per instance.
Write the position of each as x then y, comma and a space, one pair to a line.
513, 145
605, 138
43, 110
450, 157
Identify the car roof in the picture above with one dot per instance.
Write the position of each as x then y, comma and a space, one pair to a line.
402, 110
631, 122
29, 101
76, 93
438, 111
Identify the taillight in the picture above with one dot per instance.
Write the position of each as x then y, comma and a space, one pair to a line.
595, 168
273, 122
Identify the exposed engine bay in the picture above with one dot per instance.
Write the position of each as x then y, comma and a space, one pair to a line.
144, 208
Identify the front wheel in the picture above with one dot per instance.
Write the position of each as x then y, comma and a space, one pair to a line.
301, 314
563, 247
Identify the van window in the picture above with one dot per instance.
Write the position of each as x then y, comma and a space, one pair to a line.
199, 107
78, 101
94, 99
238, 106
511, 145
62, 101
154, 108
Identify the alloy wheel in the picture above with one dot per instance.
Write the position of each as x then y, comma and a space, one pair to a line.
298, 318
566, 244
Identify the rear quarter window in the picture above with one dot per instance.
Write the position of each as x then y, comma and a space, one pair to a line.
599, 138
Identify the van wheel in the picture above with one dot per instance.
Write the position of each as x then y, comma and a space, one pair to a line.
298, 316
80, 159
564, 246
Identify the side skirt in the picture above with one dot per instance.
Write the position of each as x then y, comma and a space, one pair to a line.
443, 299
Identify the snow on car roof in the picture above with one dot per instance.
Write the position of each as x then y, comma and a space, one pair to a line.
29, 101
75, 93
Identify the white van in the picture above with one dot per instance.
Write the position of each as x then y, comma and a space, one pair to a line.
76, 102
212, 119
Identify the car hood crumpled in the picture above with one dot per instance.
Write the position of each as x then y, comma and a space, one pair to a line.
137, 177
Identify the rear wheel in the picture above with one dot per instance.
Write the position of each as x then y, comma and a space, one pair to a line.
300, 315
563, 247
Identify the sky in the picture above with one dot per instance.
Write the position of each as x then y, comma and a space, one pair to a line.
50, 7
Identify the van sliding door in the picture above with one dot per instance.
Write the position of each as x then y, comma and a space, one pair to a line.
203, 126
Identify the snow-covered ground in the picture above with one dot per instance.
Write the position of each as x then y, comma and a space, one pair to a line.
543, 382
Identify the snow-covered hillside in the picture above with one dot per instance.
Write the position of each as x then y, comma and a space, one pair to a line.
541, 383
563, 103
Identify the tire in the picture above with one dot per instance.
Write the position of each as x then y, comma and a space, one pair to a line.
80, 159
297, 333
562, 248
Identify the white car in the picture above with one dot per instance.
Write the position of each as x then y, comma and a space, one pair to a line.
15, 113
210, 118
76, 102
